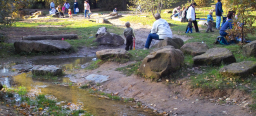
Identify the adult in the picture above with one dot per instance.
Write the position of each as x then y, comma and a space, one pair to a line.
227, 25
67, 5
75, 7
59, 12
175, 11
192, 15
159, 31
52, 5
184, 15
86, 9
219, 12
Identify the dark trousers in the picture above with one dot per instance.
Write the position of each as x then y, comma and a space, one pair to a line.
129, 42
195, 25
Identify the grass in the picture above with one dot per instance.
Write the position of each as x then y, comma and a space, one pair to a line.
94, 64
130, 69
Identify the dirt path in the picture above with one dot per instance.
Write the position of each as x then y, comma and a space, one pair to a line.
175, 99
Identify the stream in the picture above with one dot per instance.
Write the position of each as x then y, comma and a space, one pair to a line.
94, 105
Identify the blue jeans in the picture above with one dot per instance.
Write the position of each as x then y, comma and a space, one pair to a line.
223, 33
75, 11
218, 20
149, 39
86, 12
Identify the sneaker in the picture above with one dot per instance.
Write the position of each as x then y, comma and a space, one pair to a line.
145, 48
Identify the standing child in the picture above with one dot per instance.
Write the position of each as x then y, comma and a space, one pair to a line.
189, 25
69, 13
129, 35
209, 21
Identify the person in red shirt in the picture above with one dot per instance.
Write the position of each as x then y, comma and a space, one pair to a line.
69, 13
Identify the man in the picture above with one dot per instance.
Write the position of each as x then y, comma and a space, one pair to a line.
219, 12
75, 7
159, 31
192, 15
115, 10
86, 9
52, 5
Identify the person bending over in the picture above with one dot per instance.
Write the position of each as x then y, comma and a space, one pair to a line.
227, 25
159, 31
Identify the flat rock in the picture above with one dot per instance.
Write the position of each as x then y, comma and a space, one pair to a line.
161, 62
50, 37
215, 56
194, 48
177, 43
46, 70
250, 49
97, 78
22, 67
109, 39
238, 69
113, 53
41, 46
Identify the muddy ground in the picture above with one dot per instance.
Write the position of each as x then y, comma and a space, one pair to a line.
174, 98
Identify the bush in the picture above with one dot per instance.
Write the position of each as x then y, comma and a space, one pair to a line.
202, 3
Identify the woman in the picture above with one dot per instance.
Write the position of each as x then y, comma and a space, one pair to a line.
227, 25
75, 6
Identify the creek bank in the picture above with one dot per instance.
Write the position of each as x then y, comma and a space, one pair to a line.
173, 97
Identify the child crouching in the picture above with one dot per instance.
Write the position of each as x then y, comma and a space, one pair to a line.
129, 35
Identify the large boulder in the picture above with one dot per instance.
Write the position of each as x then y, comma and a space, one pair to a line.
215, 56
175, 42
238, 69
50, 37
110, 39
250, 49
194, 48
108, 54
41, 46
46, 70
161, 62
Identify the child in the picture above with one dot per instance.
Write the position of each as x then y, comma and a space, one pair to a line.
69, 13
129, 35
209, 21
63, 9
189, 25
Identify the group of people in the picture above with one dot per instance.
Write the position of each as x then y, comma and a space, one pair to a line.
65, 9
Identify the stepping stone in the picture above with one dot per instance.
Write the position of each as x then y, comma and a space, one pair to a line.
238, 69
46, 70
113, 54
194, 48
97, 78
250, 49
215, 56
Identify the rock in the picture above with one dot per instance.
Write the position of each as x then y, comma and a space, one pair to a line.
239, 69
250, 49
46, 70
22, 67
175, 42
113, 54
194, 48
97, 78
161, 62
113, 14
50, 37
110, 39
100, 20
215, 56
1, 87
41, 46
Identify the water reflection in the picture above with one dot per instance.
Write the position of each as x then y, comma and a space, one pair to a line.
94, 105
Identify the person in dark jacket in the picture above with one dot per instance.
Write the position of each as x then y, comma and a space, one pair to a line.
219, 12
75, 6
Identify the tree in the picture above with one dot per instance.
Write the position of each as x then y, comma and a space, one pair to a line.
243, 24
153, 6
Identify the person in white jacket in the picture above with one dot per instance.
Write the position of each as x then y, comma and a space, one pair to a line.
192, 15
159, 31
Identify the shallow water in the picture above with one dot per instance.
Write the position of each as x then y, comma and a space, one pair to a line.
94, 105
